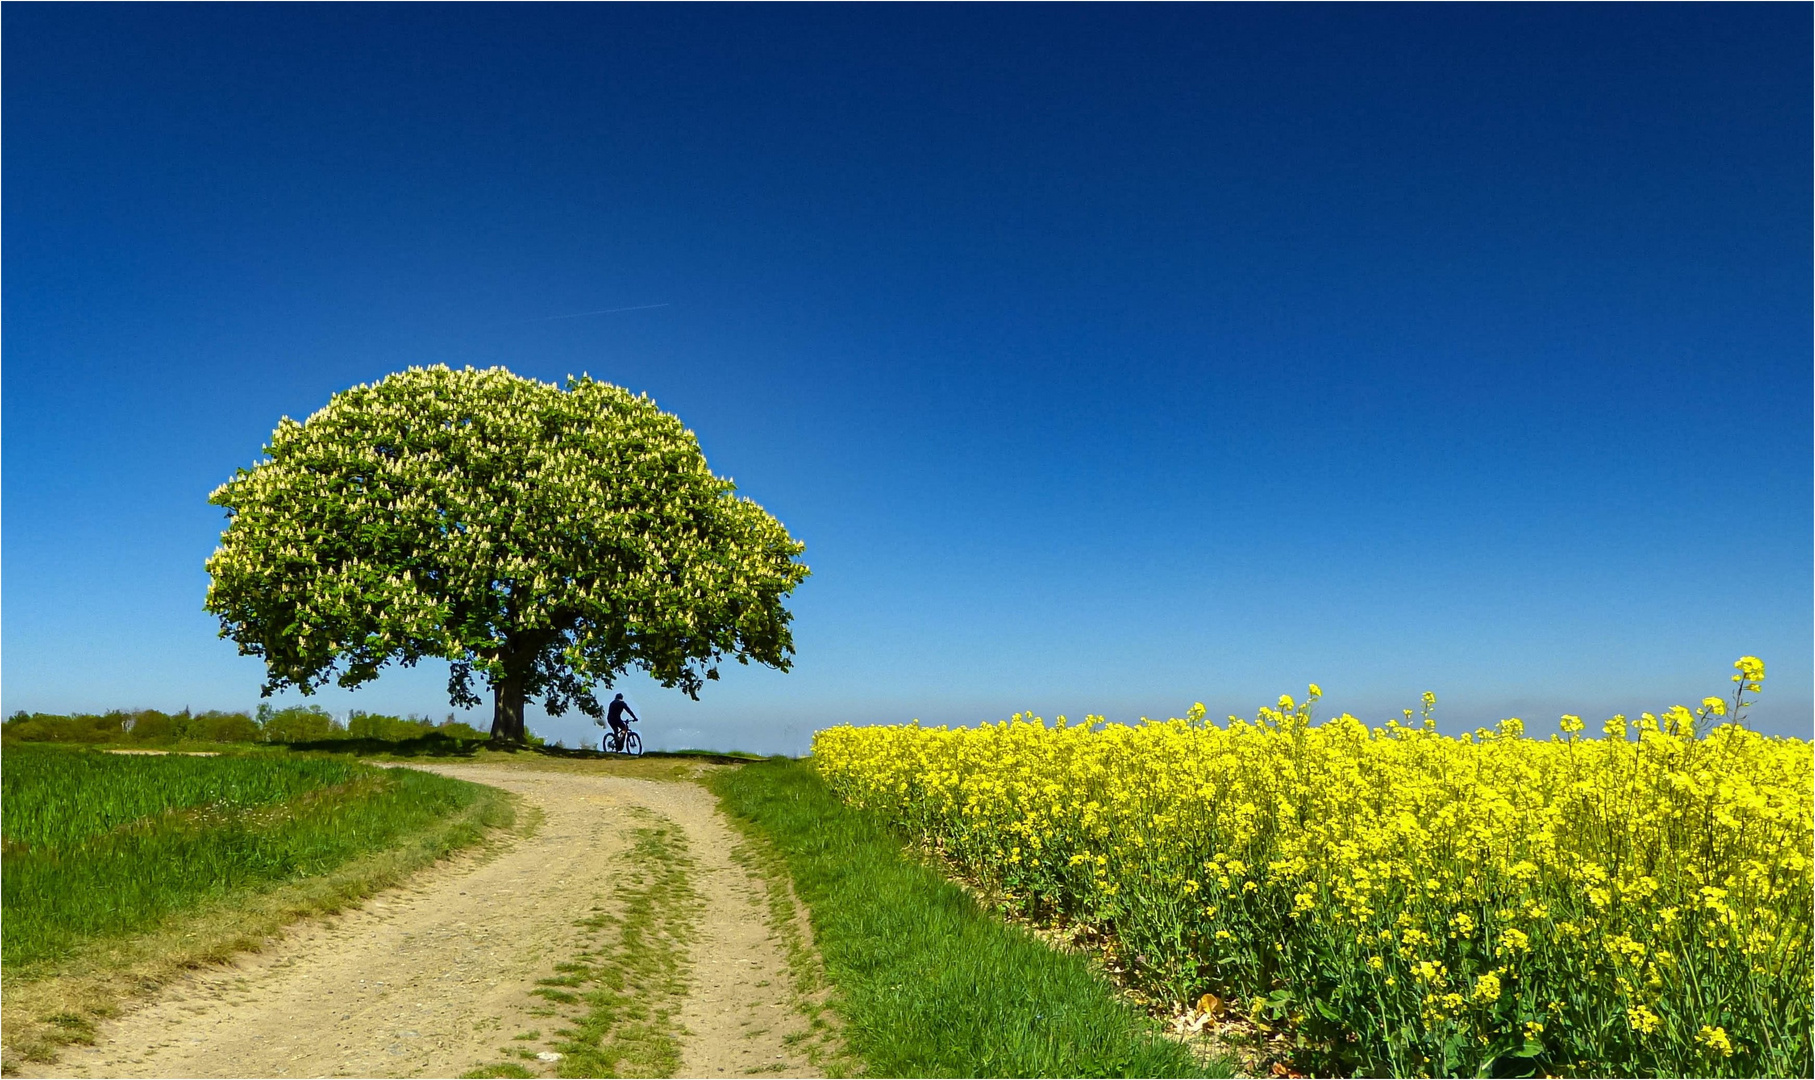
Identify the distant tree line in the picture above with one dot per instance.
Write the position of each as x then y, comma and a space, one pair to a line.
296, 724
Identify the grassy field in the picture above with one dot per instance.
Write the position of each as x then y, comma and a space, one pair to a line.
119, 870
1404, 902
102, 845
56, 800
927, 983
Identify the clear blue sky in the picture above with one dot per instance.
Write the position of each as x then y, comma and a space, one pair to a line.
1106, 359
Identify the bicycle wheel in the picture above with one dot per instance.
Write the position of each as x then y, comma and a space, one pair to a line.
633, 744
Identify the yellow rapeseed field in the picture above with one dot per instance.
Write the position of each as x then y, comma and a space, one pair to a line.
1410, 903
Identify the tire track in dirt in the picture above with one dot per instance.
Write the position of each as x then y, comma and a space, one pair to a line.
435, 977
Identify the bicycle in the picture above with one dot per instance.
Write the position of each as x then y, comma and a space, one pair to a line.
626, 743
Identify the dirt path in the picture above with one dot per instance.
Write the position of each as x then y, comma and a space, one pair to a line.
435, 978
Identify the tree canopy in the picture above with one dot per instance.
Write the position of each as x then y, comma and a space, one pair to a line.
542, 538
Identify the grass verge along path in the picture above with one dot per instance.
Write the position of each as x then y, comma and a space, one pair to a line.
120, 872
927, 983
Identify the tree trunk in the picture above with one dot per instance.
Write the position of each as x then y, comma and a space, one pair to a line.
507, 710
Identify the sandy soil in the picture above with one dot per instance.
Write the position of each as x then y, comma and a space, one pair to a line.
434, 978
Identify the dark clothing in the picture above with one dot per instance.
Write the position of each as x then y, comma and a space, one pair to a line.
614, 715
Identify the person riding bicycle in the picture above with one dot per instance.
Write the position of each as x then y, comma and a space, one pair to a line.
614, 715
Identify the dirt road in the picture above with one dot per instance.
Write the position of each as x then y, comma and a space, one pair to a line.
439, 977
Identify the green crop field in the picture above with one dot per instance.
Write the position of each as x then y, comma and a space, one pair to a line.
99, 845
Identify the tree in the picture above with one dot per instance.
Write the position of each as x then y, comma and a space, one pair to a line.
542, 538
298, 723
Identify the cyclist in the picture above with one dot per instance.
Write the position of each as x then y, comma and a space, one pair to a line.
614, 715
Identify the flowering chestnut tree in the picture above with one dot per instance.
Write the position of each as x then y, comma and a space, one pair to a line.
542, 538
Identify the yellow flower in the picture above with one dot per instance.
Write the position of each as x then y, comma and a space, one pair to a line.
1715, 1039
1596, 870
1751, 672
1487, 988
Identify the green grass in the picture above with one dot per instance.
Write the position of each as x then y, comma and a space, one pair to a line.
102, 846
622, 993
56, 799
927, 982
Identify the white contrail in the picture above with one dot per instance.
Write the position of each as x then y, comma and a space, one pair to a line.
601, 311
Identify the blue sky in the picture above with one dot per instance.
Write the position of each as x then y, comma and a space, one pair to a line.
1106, 359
